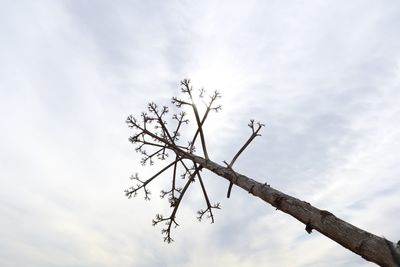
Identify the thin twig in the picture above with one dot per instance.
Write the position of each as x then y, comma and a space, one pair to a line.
172, 217
252, 136
133, 191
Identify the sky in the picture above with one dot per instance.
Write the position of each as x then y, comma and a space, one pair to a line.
323, 76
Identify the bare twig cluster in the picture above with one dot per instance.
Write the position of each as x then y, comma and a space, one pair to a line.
153, 134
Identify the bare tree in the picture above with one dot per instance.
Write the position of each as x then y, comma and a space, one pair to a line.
152, 132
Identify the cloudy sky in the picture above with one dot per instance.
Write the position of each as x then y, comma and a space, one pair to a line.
324, 76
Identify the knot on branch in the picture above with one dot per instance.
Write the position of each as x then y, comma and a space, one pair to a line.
309, 228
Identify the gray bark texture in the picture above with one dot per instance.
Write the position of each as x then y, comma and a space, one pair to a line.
369, 246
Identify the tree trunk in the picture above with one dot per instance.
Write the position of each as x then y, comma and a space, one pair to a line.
369, 246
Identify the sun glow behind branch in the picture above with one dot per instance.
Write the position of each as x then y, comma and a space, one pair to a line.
228, 80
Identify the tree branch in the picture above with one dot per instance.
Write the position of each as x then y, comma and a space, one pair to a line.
252, 136
171, 220
369, 246
133, 191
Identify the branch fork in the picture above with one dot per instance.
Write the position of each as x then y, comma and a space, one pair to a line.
254, 134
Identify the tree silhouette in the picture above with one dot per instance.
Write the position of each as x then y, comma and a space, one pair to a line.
151, 132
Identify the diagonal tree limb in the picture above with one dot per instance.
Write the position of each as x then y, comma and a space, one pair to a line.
369, 246
209, 206
187, 88
208, 109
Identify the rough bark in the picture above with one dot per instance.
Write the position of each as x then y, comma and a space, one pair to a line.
369, 246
